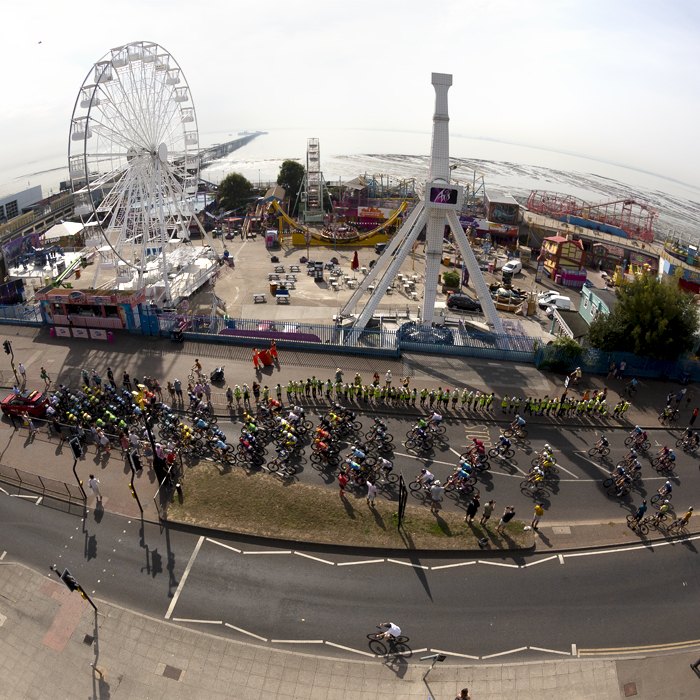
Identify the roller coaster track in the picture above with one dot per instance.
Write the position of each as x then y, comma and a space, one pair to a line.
354, 239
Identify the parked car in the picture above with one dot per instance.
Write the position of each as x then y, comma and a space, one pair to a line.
33, 402
560, 302
464, 302
379, 248
411, 332
512, 267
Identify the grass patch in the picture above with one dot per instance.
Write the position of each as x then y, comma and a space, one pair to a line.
260, 504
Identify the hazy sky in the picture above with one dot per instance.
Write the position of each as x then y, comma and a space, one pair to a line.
615, 81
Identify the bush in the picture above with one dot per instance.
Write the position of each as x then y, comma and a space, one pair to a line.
450, 279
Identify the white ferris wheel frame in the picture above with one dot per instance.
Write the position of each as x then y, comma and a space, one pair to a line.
140, 113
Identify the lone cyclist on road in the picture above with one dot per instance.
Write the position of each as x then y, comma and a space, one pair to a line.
392, 632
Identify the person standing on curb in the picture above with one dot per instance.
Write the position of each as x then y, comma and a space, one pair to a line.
342, 482
436, 491
508, 515
255, 359
94, 485
488, 509
126, 381
45, 376
539, 512
694, 416
472, 509
371, 492
110, 377
464, 695
387, 379
23, 374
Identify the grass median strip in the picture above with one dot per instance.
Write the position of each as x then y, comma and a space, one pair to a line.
260, 504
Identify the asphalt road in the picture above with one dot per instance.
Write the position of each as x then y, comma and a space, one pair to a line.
576, 494
475, 606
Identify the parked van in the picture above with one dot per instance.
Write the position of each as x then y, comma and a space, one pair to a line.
379, 248
558, 301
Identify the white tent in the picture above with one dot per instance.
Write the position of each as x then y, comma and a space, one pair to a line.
63, 229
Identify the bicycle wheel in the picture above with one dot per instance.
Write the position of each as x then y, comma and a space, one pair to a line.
522, 434
494, 452
411, 444
643, 528
645, 446
679, 443
370, 461
509, 453
655, 461
656, 498
392, 478
415, 486
628, 441
631, 519
356, 425
608, 483
482, 466
440, 430
508, 433
593, 451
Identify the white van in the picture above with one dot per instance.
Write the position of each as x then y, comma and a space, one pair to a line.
557, 300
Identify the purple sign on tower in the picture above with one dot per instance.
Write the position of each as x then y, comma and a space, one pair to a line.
443, 195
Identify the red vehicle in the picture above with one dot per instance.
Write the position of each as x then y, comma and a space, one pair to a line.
33, 402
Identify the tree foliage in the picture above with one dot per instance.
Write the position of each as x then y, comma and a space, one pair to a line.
652, 318
235, 191
290, 177
569, 348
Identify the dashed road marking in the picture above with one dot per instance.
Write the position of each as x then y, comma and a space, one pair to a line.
561, 558
539, 561
286, 551
242, 631
451, 653
408, 563
354, 651
221, 544
3, 556
308, 556
498, 563
185, 574
503, 653
574, 651
297, 641
357, 563
551, 651
452, 566
199, 622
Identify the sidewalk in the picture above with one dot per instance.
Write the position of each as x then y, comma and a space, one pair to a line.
52, 645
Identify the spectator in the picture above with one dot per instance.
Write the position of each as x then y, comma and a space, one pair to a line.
436, 492
94, 485
23, 374
508, 515
464, 695
177, 385
539, 512
45, 376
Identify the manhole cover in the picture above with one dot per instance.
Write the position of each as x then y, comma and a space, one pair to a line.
88, 640
175, 673
630, 689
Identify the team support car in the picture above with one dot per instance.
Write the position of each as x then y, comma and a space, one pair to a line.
33, 402
464, 302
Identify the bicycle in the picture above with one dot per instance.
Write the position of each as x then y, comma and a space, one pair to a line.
508, 453
601, 450
379, 644
657, 499
638, 525
668, 417
631, 390
517, 432
679, 526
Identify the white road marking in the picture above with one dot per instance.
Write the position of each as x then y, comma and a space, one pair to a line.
539, 561
3, 556
297, 641
355, 563
503, 653
408, 563
567, 471
308, 556
498, 563
39, 500
433, 461
561, 558
18, 495
651, 545
574, 650
221, 544
5, 492
595, 464
186, 573
199, 622
354, 651
455, 452
451, 566
286, 551
551, 651
238, 629
451, 653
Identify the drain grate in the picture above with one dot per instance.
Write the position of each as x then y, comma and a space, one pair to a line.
630, 689
88, 640
174, 673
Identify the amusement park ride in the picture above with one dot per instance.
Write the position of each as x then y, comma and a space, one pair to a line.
441, 201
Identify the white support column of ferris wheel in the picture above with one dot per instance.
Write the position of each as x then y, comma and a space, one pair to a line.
482, 290
385, 257
391, 271
163, 231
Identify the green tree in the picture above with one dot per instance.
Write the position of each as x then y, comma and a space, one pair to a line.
651, 318
290, 177
235, 191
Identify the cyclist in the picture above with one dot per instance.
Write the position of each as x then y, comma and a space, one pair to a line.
602, 443
637, 432
426, 478
434, 420
666, 489
639, 514
477, 446
518, 424
392, 631
682, 522
197, 367
386, 466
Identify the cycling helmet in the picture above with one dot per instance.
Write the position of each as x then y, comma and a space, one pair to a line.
644, 502
547, 446
377, 420
636, 427
691, 508
422, 471
667, 502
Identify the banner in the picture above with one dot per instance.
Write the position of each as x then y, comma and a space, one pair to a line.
375, 213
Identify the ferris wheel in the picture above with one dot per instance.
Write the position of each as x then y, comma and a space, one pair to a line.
133, 156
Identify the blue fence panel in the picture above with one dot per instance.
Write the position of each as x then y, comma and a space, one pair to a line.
20, 314
474, 344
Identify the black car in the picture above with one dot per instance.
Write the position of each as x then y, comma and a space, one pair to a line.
464, 302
